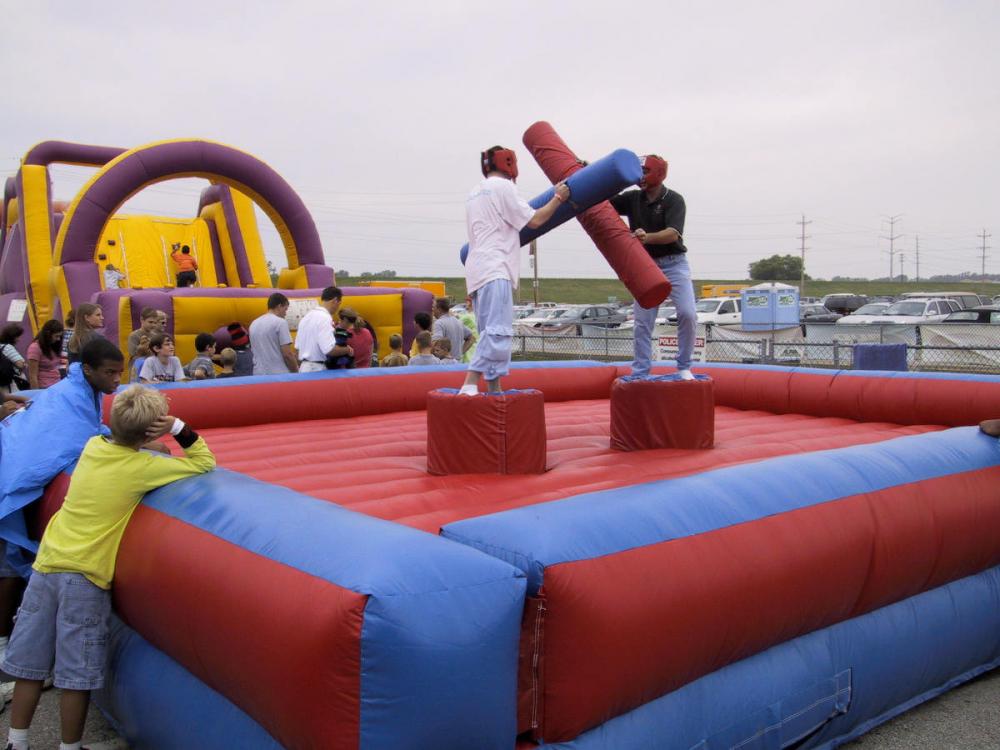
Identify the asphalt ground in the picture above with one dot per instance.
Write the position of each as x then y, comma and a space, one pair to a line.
966, 718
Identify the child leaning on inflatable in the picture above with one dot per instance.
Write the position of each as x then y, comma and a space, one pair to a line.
69, 592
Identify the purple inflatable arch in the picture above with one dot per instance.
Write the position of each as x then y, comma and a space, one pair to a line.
140, 167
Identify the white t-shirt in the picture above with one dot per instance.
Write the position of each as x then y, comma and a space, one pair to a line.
495, 214
267, 335
315, 337
112, 278
156, 372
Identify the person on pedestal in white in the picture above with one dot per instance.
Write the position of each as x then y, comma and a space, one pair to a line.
495, 214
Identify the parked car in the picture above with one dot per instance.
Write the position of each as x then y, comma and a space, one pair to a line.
599, 316
666, 314
919, 311
996, 300
982, 314
985, 300
964, 299
870, 313
809, 301
542, 315
719, 310
844, 302
817, 314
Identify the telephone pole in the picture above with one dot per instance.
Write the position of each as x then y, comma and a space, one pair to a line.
892, 242
534, 266
902, 271
918, 258
983, 236
803, 237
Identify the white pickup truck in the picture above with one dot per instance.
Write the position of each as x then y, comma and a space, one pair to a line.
719, 310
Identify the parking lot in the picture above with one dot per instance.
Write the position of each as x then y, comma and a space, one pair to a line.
965, 340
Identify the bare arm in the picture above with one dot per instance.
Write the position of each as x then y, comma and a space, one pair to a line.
341, 351
33, 373
663, 237
288, 354
12, 402
543, 214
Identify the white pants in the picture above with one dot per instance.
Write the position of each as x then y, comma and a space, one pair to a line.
494, 305
305, 366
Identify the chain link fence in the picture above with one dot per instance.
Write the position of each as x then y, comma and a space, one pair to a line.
972, 348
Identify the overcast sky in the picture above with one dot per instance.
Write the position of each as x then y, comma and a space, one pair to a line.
847, 112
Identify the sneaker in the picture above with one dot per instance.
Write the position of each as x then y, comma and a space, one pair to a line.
469, 390
685, 375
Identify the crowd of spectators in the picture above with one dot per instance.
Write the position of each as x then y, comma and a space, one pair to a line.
329, 337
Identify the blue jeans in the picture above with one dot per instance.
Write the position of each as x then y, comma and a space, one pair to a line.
677, 271
61, 629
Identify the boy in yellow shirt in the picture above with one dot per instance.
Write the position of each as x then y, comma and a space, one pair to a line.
62, 625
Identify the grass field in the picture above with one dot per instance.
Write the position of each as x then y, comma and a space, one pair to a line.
583, 291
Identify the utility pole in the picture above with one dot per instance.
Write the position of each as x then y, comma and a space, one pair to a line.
902, 271
892, 242
534, 266
983, 236
802, 237
918, 258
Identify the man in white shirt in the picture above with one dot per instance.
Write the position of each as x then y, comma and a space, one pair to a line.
315, 340
271, 340
495, 214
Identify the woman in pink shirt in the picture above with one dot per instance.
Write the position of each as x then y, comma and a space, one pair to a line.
362, 341
45, 355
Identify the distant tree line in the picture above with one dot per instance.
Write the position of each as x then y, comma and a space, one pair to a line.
777, 268
367, 274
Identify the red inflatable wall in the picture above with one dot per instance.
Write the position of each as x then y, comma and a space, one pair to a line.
615, 635
905, 399
199, 630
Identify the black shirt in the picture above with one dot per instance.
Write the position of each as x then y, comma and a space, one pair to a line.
664, 212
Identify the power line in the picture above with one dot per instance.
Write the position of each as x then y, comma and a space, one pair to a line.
892, 240
802, 271
983, 236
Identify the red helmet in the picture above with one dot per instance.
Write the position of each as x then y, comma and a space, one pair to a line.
499, 159
654, 171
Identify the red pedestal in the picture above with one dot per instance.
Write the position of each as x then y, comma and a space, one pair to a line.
664, 412
486, 434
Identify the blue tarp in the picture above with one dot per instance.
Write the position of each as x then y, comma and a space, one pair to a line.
38, 443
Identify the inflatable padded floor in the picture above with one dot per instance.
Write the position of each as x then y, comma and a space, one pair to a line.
830, 562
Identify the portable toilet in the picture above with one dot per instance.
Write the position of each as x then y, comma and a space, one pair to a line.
770, 307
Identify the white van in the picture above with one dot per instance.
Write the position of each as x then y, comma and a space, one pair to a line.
965, 300
719, 310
